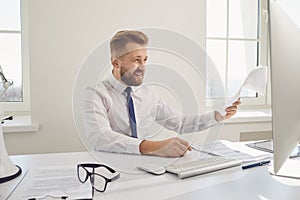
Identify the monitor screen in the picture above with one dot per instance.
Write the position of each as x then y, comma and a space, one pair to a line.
285, 81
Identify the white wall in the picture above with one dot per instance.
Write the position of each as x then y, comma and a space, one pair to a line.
61, 35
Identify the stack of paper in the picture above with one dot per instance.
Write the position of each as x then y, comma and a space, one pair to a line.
52, 183
231, 150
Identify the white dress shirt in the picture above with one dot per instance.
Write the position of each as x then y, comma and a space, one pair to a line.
106, 118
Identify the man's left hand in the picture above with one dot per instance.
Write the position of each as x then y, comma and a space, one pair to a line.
230, 111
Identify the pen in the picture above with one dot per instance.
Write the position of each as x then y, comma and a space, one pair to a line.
256, 164
47, 196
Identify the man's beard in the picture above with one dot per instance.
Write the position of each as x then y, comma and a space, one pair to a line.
130, 77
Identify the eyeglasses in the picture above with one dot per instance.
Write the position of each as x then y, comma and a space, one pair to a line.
98, 181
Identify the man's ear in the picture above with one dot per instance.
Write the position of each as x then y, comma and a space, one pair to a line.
115, 63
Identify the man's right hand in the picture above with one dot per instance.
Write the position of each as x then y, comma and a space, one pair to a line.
173, 147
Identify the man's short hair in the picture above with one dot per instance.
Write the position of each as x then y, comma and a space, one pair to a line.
121, 38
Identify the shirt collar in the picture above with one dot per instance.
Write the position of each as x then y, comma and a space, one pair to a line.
120, 86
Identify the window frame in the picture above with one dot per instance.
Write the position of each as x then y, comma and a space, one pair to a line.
22, 107
262, 57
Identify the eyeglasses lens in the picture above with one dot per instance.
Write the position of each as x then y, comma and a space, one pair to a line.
98, 182
82, 174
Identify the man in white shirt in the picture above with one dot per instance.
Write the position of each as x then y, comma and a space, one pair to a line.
119, 112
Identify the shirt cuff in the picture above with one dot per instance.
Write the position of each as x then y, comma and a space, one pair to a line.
133, 145
210, 118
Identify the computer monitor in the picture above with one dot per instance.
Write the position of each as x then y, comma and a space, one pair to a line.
285, 82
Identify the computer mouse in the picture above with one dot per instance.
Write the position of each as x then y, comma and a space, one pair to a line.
152, 168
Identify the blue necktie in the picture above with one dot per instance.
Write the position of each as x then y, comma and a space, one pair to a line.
131, 112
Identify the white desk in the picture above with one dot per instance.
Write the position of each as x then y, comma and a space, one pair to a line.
232, 183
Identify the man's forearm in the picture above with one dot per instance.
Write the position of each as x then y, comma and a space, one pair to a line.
172, 147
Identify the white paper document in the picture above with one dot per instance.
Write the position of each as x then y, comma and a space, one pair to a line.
256, 81
52, 183
229, 150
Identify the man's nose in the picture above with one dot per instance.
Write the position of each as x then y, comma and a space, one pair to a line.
142, 64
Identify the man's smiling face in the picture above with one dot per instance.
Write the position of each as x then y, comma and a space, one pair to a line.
132, 65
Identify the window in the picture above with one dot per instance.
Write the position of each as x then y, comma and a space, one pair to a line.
236, 42
13, 57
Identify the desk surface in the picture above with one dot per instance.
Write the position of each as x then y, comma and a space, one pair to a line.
233, 183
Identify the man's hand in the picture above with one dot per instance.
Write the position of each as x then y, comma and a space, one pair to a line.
173, 147
230, 111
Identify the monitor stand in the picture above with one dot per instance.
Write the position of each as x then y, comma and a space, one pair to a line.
290, 169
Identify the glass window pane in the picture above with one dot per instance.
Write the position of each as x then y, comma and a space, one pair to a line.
243, 18
10, 15
10, 61
216, 18
242, 58
216, 50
